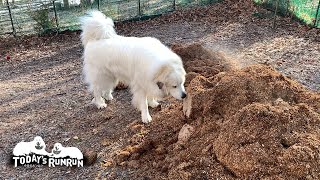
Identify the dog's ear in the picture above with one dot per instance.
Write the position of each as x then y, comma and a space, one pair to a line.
162, 74
160, 85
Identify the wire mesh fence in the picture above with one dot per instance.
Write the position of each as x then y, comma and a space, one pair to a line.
20, 17
306, 10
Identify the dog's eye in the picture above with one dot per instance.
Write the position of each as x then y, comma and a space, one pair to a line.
174, 86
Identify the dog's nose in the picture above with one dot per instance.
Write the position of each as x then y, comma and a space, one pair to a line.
183, 95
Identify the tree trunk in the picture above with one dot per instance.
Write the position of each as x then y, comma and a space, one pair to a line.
66, 4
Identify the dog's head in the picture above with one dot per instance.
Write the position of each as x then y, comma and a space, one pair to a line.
39, 143
170, 80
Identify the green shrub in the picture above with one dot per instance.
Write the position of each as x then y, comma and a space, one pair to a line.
44, 24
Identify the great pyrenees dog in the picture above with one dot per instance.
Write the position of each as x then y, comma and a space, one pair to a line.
151, 69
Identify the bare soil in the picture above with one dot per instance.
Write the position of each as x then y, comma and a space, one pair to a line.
249, 121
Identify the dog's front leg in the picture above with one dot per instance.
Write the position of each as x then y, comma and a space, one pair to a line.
140, 100
146, 118
152, 102
107, 95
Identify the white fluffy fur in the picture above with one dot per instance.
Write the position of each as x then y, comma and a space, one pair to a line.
150, 68
96, 26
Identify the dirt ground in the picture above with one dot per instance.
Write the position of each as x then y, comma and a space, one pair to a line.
251, 122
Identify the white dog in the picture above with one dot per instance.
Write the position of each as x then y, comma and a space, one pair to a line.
37, 146
59, 151
150, 68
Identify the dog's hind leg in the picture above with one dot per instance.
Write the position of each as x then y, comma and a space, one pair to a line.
98, 100
152, 102
140, 101
94, 79
103, 85
111, 82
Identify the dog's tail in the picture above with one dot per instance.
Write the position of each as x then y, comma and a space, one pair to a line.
96, 26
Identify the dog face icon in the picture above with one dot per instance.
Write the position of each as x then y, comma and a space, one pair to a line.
57, 148
39, 143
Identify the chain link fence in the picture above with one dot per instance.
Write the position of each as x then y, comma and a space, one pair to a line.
307, 11
21, 17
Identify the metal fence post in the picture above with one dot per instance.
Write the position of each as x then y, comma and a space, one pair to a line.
139, 7
13, 29
99, 5
174, 4
317, 16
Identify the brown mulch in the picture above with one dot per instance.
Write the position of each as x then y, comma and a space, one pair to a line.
247, 123
42, 93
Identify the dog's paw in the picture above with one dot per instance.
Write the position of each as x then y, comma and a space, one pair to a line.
99, 103
101, 106
146, 119
153, 104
